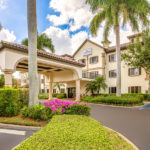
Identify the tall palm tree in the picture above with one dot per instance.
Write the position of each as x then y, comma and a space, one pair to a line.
32, 48
42, 42
117, 13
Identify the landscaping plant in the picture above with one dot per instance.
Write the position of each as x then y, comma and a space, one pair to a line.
68, 107
74, 132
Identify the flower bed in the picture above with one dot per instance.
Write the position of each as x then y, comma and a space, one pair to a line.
68, 107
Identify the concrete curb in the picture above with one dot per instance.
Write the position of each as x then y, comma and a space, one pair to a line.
125, 138
118, 106
19, 127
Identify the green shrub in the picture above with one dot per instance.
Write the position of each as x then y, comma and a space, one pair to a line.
71, 132
56, 95
124, 100
43, 96
8, 102
37, 112
79, 109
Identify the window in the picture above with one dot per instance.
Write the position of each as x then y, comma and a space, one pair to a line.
47, 90
134, 71
112, 74
112, 90
94, 60
54, 90
112, 58
82, 61
43, 91
62, 90
93, 74
134, 89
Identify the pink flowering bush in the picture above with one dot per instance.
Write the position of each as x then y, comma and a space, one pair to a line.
68, 107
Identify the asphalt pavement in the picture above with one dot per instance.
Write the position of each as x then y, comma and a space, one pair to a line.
130, 122
11, 137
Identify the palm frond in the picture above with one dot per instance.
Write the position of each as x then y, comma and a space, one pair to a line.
97, 20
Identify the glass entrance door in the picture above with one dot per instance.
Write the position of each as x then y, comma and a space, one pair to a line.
71, 92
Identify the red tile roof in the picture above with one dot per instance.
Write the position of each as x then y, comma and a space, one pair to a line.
42, 53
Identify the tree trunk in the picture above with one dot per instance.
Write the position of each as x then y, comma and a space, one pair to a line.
149, 83
118, 84
32, 48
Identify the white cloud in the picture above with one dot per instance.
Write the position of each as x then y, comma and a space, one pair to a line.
64, 44
7, 35
76, 9
3, 4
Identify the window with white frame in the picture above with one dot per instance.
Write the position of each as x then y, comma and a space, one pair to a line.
112, 58
134, 89
94, 60
112, 74
134, 71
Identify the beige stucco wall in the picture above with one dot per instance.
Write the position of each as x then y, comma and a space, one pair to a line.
126, 80
96, 51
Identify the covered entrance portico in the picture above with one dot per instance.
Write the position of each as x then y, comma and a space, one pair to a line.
14, 57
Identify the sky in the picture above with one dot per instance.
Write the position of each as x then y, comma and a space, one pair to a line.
66, 22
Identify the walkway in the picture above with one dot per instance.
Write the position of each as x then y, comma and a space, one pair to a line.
131, 122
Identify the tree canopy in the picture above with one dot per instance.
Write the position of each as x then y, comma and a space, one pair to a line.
43, 41
138, 54
118, 12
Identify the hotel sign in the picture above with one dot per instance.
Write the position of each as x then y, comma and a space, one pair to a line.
87, 52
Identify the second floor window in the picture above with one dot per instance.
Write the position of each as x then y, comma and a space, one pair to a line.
94, 60
112, 74
112, 58
134, 71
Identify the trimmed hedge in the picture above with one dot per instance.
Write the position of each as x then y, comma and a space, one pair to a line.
11, 101
56, 95
37, 112
114, 100
71, 132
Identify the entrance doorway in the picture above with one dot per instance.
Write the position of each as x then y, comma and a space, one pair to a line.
71, 92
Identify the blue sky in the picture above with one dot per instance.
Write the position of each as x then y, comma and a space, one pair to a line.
66, 23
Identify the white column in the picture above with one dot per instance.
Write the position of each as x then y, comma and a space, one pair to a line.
50, 86
8, 78
77, 90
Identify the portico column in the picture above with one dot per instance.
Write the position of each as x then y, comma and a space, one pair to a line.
78, 90
50, 86
8, 78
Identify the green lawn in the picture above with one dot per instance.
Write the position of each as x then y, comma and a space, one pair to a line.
72, 132
21, 121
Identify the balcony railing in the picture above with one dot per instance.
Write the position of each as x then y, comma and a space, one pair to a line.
90, 75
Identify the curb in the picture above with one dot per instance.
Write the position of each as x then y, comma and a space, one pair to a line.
125, 138
19, 127
118, 106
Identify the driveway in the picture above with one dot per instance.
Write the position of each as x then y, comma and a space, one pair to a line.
130, 122
11, 137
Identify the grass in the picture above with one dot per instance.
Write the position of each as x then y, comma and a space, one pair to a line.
72, 132
21, 121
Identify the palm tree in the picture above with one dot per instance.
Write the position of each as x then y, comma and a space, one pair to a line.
58, 86
100, 84
117, 13
42, 42
32, 48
